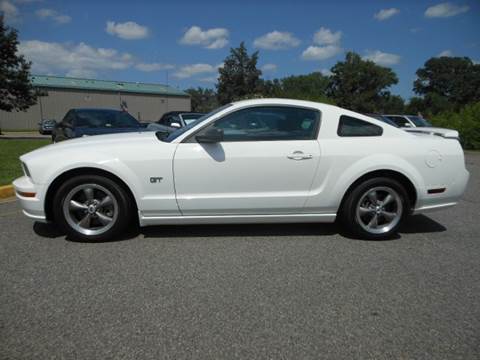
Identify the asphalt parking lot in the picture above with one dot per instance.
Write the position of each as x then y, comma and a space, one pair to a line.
244, 291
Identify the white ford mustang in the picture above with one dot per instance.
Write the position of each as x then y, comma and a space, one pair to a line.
254, 161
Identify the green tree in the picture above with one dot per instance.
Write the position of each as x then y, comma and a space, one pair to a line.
391, 104
311, 86
466, 121
16, 90
271, 88
203, 99
239, 76
360, 85
448, 83
416, 105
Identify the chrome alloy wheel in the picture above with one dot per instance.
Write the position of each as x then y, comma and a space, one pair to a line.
379, 210
90, 209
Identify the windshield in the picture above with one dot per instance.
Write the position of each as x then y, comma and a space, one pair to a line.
383, 119
400, 121
172, 136
189, 118
419, 122
105, 119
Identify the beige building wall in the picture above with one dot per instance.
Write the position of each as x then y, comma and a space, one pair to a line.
144, 107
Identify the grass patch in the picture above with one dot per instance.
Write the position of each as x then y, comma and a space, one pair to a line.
10, 150
19, 130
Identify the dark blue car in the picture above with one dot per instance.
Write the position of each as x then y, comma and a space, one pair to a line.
88, 122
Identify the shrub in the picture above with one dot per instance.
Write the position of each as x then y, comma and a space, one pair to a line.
466, 121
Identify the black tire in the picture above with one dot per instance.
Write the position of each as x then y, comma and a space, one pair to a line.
123, 208
349, 217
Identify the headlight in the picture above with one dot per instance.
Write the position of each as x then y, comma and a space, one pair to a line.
25, 169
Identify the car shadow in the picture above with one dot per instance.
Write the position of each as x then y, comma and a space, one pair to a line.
239, 230
51, 231
416, 224
47, 230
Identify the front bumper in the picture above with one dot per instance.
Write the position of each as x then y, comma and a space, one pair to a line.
33, 207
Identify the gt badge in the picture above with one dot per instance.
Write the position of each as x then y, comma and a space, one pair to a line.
155, 180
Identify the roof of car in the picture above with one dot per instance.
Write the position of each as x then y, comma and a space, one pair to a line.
96, 109
104, 85
282, 101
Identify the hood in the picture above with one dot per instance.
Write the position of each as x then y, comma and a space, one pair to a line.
101, 131
446, 133
95, 143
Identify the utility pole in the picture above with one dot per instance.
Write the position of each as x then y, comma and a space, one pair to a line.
166, 74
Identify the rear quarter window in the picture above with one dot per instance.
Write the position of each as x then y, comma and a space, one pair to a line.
349, 126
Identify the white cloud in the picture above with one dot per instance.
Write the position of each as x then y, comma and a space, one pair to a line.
215, 38
445, 53
321, 52
209, 79
128, 30
47, 14
51, 57
148, 67
81, 73
10, 11
269, 67
382, 58
385, 14
276, 40
326, 72
445, 9
325, 36
194, 69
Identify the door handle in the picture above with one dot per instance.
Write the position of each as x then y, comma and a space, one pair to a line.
299, 155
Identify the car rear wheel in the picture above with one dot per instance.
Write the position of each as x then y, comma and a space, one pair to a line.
375, 208
92, 208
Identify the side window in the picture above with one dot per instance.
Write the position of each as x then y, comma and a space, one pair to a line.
270, 123
350, 126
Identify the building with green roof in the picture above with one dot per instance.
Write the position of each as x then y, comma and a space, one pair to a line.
145, 101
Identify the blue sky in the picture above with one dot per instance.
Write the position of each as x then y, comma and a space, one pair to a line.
146, 40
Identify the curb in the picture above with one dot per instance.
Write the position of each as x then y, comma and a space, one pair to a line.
6, 191
23, 137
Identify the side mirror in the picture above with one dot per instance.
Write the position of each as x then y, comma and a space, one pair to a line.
211, 136
407, 125
175, 125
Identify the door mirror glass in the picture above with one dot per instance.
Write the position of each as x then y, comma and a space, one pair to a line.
175, 125
210, 136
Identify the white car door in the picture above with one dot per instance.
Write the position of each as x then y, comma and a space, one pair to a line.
264, 165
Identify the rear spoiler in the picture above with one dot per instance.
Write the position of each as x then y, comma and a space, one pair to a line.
445, 133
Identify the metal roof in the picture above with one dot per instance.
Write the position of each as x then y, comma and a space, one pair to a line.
104, 85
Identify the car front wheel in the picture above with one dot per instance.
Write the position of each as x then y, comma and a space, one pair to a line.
92, 208
375, 208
